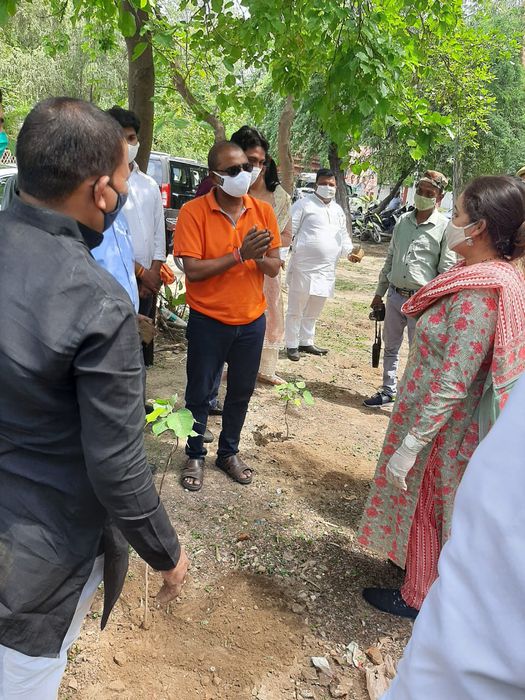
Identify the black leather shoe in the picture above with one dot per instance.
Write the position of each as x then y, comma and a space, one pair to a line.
216, 410
312, 350
293, 354
208, 436
389, 600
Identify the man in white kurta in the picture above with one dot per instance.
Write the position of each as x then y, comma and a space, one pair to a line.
320, 238
469, 638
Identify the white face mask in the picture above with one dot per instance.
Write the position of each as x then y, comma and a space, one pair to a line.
326, 191
132, 151
235, 186
424, 203
455, 235
255, 174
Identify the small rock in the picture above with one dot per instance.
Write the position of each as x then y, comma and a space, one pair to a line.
375, 655
321, 663
307, 693
325, 679
117, 686
73, 684
216, 680
298, 609
120, 658
341, 689
309, 674
243, 537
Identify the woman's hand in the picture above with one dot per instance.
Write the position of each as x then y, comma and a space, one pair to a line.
402, 462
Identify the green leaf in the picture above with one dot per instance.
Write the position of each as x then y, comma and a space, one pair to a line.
300, 385
159, 428
297, 402
150, 417
308, 398
127, 24
181, 422
139, 50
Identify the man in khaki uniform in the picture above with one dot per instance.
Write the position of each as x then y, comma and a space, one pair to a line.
417, 253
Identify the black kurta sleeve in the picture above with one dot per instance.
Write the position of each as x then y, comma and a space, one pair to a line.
109, 382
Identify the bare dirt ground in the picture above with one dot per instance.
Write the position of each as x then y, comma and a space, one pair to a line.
276, 574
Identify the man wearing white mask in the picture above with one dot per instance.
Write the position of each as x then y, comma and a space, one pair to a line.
228, 241
145, 217
319, 238
418, 253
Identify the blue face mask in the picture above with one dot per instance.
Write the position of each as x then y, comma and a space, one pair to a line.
109, 217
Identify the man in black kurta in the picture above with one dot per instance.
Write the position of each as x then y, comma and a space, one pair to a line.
75, 488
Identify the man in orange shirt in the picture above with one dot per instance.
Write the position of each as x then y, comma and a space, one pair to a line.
228, 241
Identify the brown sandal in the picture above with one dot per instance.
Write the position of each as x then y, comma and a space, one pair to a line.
193, 469
234, 467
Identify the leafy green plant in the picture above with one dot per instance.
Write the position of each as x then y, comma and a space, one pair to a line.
293, 393
177, 299
165, 417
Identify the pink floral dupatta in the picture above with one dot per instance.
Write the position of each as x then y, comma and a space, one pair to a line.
508, 361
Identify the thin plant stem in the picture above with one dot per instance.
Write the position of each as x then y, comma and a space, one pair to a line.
145, 621
286, 420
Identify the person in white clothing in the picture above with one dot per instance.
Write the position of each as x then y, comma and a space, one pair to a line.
467, 642
145, 217
319, 238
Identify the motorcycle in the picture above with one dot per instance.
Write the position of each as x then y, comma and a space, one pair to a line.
367, 226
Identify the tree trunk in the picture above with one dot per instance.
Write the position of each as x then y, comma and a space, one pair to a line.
180, 84
141, 84
341, 196
285, 154
390, 196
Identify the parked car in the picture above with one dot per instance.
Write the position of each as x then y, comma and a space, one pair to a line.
7, 179
178, 180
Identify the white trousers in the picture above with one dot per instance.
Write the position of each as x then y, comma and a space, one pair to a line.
36, 677
301, 316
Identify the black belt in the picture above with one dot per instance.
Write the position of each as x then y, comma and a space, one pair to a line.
407, 293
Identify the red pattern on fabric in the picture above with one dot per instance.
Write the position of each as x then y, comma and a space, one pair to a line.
510, 327
424, 543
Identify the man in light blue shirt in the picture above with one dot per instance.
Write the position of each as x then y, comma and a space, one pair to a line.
115, 254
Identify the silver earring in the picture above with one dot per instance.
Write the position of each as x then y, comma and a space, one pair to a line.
470, 242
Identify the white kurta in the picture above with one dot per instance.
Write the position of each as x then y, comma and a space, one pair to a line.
320, 238
469, 638
145, 216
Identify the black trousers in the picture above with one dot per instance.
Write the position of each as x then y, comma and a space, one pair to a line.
211, 344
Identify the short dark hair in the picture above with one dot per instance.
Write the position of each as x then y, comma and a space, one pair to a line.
63, 142
217, 149
125, 117
248, 137
324, 172
500, 201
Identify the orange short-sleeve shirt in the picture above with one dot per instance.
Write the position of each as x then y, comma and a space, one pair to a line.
205, 232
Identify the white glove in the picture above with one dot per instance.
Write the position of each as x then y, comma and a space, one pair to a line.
402, 461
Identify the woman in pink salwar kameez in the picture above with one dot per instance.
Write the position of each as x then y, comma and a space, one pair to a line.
468, 351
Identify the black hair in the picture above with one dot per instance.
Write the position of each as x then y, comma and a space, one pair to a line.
500, 201
63, 142
324, 172
217, 149
125, 117
248, 137
271, 176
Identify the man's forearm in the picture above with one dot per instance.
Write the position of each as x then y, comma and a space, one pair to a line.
200, 270
270, 266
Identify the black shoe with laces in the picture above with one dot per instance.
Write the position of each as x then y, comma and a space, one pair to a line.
379, 400
389, 600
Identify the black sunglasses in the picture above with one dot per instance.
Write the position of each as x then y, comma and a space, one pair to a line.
234, 170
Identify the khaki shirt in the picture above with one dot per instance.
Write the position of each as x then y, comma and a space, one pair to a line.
417, 253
